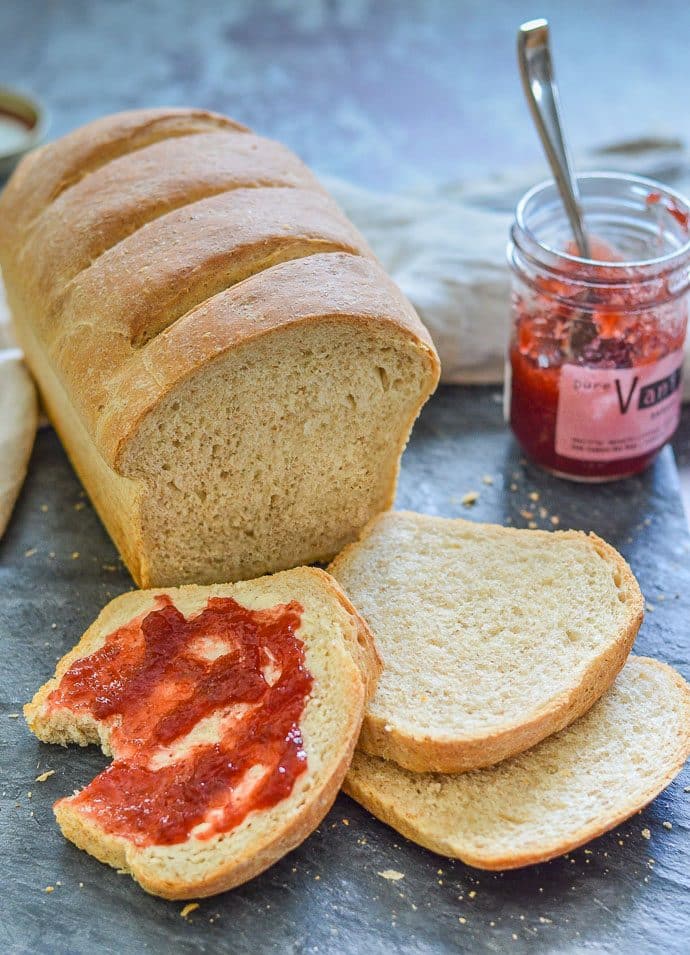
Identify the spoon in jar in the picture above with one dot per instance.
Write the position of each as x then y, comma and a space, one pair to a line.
536, 69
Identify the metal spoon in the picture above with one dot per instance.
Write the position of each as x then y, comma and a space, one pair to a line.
536, 69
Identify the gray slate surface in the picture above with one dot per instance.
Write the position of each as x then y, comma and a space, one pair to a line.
327, 896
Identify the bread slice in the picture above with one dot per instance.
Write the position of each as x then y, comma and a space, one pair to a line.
569, 789
340, 657
492, 638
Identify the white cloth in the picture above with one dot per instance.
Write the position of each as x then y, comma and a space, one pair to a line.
444, 245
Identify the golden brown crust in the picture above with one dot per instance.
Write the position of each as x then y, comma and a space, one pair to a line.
119, 198
232, 870
47, 172
390, 813
427, 753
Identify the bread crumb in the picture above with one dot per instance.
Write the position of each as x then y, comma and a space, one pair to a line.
44, 507
544, 921
543, 513
81, 885
666, 824
532, 525
462, 921
649, 608
513, 487
472, 894
49, 888
30, 552
392, 875
75, 555
29, 794
189, 908
646, 834
470, 498
346, 822
533, 495
555, 520
79, 506
487, 479
13, 716
528, 515
46, 775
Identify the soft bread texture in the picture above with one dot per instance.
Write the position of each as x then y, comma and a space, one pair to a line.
569, 789
232, 373
492, 638
342, 658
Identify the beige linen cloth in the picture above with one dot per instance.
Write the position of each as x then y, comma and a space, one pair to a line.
445, 247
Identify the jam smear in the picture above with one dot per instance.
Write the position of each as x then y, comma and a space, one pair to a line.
601, 326
203, 715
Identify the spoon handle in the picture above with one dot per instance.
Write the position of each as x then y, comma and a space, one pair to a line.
536, 69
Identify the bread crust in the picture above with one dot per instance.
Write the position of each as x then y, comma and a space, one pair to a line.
231, 870
426, 752
390, 812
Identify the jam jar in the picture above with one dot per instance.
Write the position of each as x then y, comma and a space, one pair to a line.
593, 377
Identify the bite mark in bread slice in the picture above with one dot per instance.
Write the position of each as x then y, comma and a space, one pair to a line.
492, 638
564, 792
341, 660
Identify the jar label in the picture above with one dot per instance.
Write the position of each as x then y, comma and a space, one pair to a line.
613, 413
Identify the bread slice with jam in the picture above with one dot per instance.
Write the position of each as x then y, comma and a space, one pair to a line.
492, 638
231, 713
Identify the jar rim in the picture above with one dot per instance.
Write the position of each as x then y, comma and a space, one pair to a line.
667, 261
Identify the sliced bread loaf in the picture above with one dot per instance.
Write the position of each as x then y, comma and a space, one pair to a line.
491, 638
570, 788
231, 713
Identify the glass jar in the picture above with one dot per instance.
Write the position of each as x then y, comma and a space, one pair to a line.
596, 348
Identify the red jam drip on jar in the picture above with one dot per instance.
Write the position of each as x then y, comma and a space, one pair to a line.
152, 683
682, 218
610, 330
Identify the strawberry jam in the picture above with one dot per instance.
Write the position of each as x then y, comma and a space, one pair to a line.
596, 351
202, 716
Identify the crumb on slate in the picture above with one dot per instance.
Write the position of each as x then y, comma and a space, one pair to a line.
392, 875
470, 498
46, 775
487, 479
646, 834
189, 908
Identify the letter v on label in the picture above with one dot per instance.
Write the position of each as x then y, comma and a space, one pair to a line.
624, 404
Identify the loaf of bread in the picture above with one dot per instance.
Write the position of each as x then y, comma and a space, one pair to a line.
231, 372
491, 637
569, 789
231, 712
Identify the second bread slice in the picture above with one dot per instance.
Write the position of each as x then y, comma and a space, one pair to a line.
491, 638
